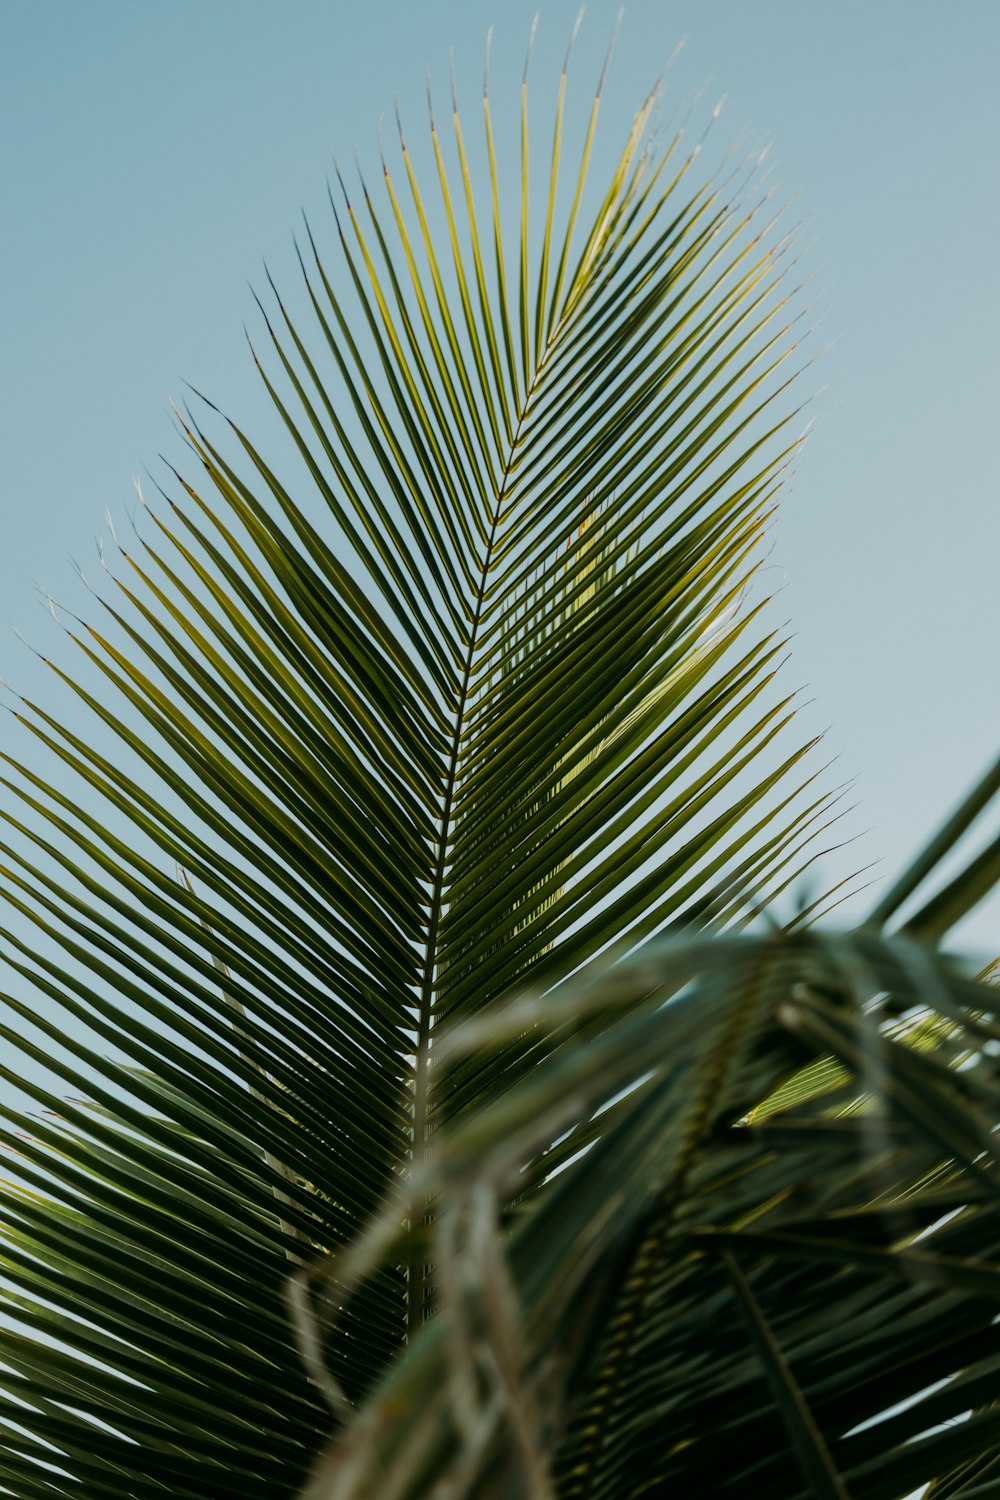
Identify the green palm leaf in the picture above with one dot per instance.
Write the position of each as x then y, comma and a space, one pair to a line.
708, 1300
413, 750
792, 1298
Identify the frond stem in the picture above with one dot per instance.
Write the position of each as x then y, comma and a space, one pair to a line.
417, 1269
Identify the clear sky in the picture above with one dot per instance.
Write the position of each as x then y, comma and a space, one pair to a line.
152, 154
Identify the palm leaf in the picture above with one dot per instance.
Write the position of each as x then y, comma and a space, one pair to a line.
413, 752
707, 1300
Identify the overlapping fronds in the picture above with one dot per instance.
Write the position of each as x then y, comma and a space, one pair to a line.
462, 692
714, 1299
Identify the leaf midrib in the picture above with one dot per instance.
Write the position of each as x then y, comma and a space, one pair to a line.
417, 1270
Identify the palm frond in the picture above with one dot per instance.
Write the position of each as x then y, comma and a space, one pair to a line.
787, 1304
412, 751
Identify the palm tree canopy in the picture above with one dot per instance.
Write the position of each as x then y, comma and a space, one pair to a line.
469, 699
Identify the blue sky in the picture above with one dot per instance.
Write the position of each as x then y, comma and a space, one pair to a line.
152, 155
